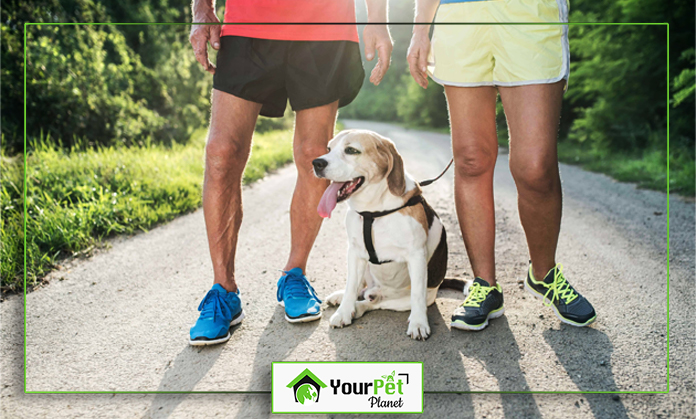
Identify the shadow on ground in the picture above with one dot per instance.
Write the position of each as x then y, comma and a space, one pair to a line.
192, 364
496, 350
182, 374
585, 354
278, 341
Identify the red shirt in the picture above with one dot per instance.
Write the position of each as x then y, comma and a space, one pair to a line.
239, 11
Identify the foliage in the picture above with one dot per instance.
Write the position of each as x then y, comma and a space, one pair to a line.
427, 106
609, 80
77, 197
109, 84
618, 93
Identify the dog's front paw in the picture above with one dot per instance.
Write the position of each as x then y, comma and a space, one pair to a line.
341, 318
335, 298
418, 329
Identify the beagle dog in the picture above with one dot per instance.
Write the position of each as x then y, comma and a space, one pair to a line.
397, 246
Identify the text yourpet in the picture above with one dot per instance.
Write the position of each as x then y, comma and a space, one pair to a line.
376, 387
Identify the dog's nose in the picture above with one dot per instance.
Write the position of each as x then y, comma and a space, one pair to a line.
319, 164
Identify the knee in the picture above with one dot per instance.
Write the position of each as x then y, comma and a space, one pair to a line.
225, 154
473, 161
536, 176
305, 153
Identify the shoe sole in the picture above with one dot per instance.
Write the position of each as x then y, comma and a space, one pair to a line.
458, 324
303, 319
223, 339
555, 310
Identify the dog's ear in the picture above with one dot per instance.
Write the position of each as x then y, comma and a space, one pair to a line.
395, 174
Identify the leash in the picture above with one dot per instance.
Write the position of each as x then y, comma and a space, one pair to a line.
369, 218
429, 181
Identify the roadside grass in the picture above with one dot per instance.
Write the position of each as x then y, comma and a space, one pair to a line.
76, 198
648, 170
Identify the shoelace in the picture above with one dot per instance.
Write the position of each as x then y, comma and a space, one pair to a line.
296, 287
560, 288
477, 293
214, 305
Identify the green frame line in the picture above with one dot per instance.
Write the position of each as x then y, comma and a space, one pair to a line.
668, 260
24, 367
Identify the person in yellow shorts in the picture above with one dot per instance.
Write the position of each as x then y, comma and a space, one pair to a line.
528, 65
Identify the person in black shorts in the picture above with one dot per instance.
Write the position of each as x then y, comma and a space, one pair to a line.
317, 68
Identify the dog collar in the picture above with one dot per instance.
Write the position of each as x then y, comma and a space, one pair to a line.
369, 218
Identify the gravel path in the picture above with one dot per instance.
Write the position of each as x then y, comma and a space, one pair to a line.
119, 321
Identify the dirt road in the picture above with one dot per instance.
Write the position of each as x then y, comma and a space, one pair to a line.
119, 321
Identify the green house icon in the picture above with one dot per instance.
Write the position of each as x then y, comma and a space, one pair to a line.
306, 387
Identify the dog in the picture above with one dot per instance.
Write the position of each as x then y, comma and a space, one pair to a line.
397, 246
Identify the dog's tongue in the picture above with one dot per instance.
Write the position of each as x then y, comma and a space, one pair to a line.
328, 200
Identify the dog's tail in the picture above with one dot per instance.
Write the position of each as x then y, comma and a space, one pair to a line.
455, 284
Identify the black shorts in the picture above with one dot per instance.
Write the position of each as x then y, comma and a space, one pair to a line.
308, 73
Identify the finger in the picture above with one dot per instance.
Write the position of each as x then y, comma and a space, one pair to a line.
382, 66
215, 36
411, 59
377, 73
202, 58
423, 62
211, 68
415, 72
384, 52
200, 49
370, 48
375, 77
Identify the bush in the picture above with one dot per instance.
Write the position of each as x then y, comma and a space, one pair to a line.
422, 107
109, 84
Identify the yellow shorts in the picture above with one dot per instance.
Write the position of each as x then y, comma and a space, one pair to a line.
500, 55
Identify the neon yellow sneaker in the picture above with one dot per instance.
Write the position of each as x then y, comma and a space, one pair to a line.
482, 304
569, 306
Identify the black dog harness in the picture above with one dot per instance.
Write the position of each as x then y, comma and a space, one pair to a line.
369, 218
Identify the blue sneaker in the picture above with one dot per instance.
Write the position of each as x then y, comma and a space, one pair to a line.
298, 297
220, 310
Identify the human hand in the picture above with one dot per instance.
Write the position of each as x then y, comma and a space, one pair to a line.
418, 57
201, 35
377, 40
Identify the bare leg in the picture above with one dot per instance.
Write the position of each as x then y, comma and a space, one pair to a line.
313, 129
232, 124
475, 150
533, 113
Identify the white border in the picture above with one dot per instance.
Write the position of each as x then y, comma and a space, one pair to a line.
499, 83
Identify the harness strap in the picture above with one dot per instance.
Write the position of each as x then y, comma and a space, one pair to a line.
369, 218
367, 238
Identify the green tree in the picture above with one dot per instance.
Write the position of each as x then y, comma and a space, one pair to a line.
101, 84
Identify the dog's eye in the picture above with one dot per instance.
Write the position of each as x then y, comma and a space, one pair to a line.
328, 149
351, 150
